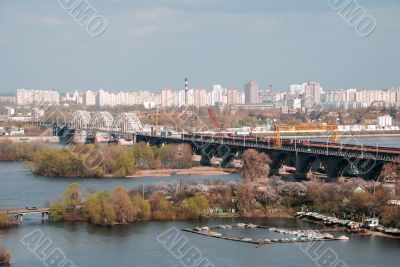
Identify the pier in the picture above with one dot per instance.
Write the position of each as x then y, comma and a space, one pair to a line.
301, 235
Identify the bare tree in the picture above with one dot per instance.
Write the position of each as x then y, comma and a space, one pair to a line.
255, 165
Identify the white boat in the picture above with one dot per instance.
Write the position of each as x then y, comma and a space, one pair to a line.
241, 225
343, 237
215, 234
250, 225
328, 236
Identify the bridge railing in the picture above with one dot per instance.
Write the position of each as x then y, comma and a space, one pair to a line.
343, 151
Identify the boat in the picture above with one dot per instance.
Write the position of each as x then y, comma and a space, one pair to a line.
250, 225
343, 237
246, 239
241, 225
216, 234
327, 236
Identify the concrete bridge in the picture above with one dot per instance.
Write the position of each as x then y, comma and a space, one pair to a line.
18, 214
334, 158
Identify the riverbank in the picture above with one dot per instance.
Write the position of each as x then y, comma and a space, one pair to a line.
343, 135
199, 170
345, 225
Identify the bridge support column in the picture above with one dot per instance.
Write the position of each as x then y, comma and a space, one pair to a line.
205, 160
19, 218
45, 216
301, 169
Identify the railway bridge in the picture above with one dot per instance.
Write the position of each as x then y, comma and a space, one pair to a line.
334, 158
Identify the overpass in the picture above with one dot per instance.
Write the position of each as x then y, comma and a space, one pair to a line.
333, 157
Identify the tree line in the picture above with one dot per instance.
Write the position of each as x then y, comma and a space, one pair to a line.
96, 160
122, 206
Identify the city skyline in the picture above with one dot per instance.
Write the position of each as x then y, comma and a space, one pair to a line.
146, 46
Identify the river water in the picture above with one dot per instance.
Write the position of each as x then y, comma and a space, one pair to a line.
137, 245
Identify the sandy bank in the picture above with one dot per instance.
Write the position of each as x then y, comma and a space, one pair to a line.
192, 171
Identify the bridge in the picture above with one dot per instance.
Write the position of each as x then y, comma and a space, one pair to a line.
18, 214
334, 158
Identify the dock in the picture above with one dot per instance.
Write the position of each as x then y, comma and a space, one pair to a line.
301, 235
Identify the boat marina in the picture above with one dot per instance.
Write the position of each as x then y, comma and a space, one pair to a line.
293, 236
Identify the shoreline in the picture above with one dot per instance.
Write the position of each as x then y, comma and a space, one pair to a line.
197, 170
368, 232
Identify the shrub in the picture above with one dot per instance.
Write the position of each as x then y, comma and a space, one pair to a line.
5, 255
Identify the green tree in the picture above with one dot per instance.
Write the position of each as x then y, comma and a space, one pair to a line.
197, 206
73, 195
143, 206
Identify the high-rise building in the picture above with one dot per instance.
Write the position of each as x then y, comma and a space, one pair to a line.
234, 96
200, 97
167, 98
89, 98
312, 94
251, 92
296, 89
37, 97
218, 95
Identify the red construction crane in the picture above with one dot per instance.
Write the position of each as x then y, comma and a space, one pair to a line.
214, 119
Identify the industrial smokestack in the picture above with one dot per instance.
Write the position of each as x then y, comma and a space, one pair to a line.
186, 91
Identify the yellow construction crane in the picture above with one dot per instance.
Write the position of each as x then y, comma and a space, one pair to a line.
334, 135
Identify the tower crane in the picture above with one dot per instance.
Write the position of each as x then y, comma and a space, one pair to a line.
214, 119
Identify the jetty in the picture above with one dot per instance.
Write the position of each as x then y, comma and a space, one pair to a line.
300, 235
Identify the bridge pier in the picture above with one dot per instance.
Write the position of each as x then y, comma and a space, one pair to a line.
19, 218
45, 216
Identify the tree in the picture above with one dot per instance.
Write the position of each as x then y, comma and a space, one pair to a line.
72, 196
360, 202
176, 156
143, 155
127, 163
58, 210
124, 209
197, 206
143, 205
5, 220
391, 216
5, 256
255, 165
99, 208
161, 208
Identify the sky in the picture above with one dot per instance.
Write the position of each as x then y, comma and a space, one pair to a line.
149, 45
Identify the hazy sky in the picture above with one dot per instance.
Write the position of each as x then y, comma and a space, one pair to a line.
153, 44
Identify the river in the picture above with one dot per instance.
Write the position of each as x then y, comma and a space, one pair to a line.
137, 245
20, 188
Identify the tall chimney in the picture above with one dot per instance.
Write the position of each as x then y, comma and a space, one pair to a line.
186, 92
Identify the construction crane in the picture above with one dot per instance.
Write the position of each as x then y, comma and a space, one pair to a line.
214, 119
334, 136
155, 117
